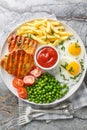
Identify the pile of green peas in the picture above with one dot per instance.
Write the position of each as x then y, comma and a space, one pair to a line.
46, 89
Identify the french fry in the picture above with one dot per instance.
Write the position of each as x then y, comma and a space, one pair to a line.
43, 30
57, 35
48, 29
39, 40
56, 42
64, 38
64, 33
54, 29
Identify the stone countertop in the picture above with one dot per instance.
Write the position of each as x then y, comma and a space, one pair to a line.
14, 12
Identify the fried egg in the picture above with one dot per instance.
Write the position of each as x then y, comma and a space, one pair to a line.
72, 48
69, 70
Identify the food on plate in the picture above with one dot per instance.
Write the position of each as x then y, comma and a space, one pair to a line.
73, 68
29, 80
22, 92
20, 59
47, 57
69, 70
46, 89
36, 72
17, 83
45, 31
18, 63
71, 64
72, 48
21, 42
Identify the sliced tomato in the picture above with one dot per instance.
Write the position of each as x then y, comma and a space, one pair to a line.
22, 93
17, 83
29, 80
36, 72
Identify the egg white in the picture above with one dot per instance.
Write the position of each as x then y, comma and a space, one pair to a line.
63, 75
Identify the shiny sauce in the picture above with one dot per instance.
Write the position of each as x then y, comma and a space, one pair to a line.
47, 57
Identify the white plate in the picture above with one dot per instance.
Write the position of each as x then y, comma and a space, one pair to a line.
7, 78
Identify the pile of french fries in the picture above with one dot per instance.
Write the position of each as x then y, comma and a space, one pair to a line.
45, 31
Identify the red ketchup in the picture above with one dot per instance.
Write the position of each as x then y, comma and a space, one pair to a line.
47, 57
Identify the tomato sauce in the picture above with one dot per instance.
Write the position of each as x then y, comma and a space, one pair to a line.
47, 57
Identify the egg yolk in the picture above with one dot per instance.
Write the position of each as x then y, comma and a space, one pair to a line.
74, 49
73, 68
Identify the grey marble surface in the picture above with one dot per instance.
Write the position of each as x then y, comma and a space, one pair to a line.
15, 12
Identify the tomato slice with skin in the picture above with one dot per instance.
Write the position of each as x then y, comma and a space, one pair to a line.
17, 83
22, 93
29, 80
36, 72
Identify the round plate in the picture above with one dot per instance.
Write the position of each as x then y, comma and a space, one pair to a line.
7, 78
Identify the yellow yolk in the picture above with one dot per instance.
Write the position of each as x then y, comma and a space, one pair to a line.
74, 49
73, 68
